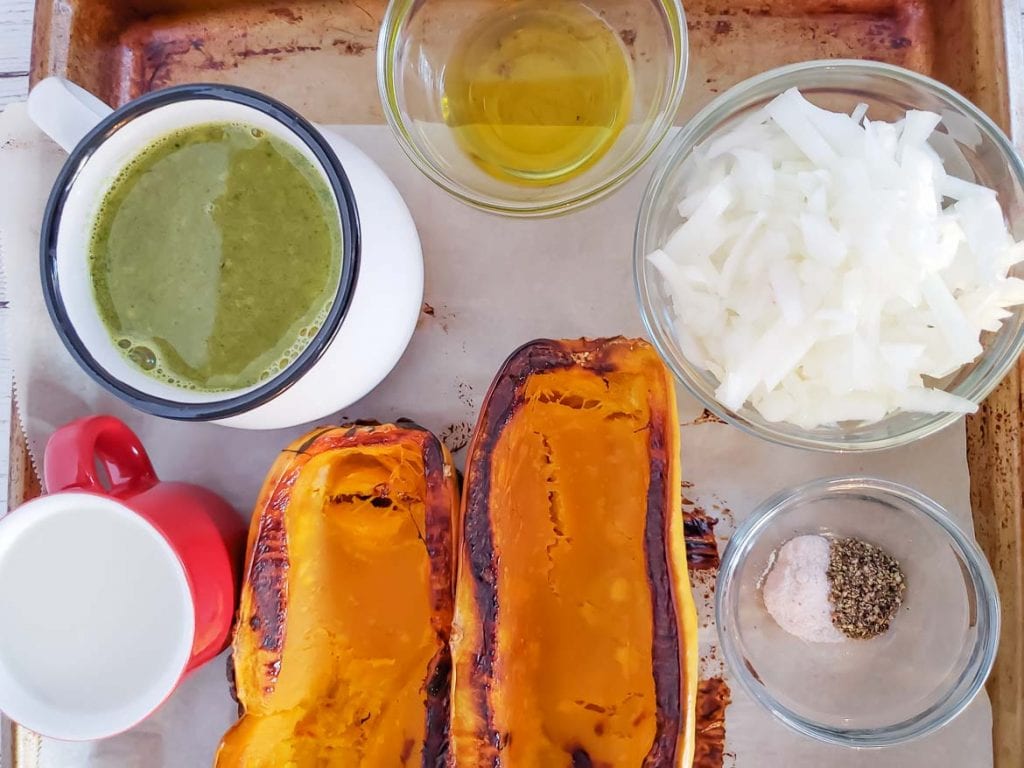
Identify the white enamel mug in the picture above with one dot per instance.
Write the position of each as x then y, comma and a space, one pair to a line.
380, 290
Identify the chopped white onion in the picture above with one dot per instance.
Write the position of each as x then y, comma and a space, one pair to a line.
828, 268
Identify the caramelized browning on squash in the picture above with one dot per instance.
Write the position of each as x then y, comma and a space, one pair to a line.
575, 628
341, 650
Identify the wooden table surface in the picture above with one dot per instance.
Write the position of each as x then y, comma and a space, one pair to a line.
15, 45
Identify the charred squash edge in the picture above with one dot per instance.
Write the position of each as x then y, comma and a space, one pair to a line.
674, 658
266, 565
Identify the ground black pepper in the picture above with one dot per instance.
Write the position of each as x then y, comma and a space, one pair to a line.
866, 588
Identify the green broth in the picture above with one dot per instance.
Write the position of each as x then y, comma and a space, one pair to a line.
215, 256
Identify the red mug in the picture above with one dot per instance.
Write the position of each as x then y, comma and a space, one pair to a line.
113, 586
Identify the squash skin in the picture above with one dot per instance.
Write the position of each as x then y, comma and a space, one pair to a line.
488, 729
283, 721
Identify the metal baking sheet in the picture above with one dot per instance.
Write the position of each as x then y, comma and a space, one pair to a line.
319, 56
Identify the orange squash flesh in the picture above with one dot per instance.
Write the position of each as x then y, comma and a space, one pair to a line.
575, 631
340, 654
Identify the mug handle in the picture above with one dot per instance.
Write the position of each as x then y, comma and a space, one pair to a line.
73, 452
64, 111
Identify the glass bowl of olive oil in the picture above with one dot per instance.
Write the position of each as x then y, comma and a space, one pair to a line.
531, 107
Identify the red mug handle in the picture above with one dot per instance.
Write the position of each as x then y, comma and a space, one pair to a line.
73, 451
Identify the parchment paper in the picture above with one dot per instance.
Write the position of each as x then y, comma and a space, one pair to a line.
491, 284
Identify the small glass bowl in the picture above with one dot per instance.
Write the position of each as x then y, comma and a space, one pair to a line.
838, 85
417, 39
901, 685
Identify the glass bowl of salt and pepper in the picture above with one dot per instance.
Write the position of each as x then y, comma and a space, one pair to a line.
857, 612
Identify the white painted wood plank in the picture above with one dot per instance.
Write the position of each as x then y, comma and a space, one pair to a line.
15, 35
13, 88
15, 49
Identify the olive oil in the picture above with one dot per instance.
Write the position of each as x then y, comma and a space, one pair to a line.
537, 92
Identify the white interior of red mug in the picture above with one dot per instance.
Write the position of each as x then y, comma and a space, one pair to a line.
98, 616
83, 203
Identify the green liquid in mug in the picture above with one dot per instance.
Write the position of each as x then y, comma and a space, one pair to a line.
215, 257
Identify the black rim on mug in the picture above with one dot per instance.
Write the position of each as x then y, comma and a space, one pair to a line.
350, 252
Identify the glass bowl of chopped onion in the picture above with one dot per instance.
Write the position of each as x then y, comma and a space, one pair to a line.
828, 255
825, 665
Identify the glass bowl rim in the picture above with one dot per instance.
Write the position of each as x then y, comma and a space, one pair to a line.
979, 665
703, 124
392, 32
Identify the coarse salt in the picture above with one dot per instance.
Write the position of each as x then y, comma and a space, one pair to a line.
796, 590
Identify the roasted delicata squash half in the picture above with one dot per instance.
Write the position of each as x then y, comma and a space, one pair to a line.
341, 651
575, 631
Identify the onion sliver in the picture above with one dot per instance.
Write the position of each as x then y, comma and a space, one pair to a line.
828, 268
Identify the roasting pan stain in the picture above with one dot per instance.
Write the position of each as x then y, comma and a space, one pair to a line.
699, 523
730, 39
154, 65
352, 47
276, 50
285, 13
701, 545
505, 397
456, 436
706, 417
726, 36
713, 696
795, 8
153, 49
